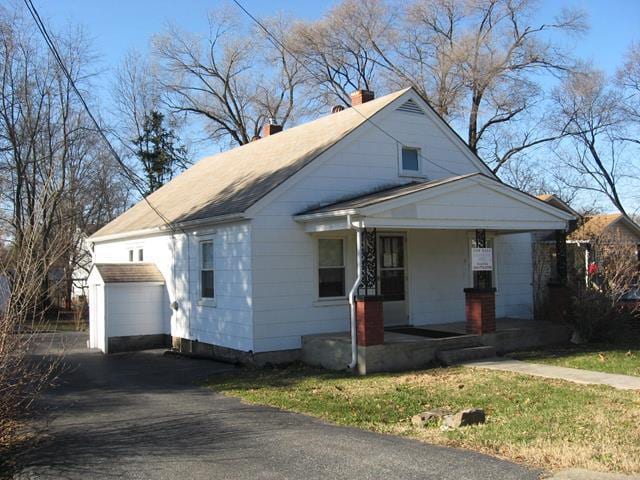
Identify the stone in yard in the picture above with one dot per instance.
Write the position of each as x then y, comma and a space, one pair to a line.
421, 419
470, 416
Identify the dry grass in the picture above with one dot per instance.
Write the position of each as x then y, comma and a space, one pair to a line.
539, 422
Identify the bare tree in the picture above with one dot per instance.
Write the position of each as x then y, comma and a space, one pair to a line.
628, 79
338, 52
589, 111
232, 80
136, 93
477, 62
52, 171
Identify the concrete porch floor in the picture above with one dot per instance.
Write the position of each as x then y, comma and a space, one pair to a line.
402, 351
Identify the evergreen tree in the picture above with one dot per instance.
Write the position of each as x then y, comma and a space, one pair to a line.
160, 152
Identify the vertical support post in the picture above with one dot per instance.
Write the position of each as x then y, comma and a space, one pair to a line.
559, 295
480, 301
561, 256
369, 317
481, 279
369, 284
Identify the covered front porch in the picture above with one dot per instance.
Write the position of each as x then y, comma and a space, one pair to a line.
452, 255
441, 343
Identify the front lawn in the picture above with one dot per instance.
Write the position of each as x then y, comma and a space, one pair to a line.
543, 423
601, 357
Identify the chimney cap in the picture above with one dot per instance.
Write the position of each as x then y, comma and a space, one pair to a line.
272, 121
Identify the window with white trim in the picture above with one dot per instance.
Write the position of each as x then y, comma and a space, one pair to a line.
410, 161
206, 270
131, 255
140, 255
331, 268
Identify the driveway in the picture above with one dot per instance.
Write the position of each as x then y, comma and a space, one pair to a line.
144, 416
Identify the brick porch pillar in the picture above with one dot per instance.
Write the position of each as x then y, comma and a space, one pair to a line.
369, 320
480, 309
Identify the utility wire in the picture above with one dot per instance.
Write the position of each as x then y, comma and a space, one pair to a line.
275, 41
134, 178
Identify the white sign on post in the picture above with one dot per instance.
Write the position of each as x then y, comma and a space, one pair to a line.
481, 259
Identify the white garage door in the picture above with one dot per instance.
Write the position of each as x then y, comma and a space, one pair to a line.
136, 309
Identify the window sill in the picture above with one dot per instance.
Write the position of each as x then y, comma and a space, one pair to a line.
207, 302
411, 174
331, 302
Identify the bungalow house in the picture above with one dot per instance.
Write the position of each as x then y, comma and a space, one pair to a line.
599, 233
373, 218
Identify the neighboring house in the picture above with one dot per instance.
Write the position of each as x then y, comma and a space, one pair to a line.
80, 266
263, 246
600, 231
585, 237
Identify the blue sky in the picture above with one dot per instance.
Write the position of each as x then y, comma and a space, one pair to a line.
116, 26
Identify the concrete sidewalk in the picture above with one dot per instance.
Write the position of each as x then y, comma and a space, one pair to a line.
578, 474
622, 382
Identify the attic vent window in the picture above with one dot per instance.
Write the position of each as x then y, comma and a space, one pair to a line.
410, 106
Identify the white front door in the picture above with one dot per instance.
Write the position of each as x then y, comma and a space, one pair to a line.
393, 280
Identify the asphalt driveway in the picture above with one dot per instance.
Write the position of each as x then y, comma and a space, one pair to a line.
143, 416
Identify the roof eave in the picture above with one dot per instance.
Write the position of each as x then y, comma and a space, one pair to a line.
166, 229
309, 217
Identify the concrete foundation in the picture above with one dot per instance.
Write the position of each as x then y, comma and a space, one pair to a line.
138, 342
230, 355
406, 352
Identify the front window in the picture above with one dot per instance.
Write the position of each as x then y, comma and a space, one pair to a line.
206, 269
131, 255
410, 160
140, 255
331, 271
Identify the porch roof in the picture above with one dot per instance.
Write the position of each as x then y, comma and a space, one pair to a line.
462, 202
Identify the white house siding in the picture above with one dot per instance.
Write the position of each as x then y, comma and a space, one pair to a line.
514, 271
284, 276
227, 322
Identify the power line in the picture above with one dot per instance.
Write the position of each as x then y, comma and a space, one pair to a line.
277, 43
52, 47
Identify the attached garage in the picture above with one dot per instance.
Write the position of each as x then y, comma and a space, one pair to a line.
128, 307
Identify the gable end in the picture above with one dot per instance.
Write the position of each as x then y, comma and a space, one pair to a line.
410, 106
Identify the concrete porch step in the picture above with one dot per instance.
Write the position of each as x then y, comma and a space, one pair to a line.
451, 357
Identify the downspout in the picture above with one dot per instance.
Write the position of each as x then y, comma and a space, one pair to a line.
352, 293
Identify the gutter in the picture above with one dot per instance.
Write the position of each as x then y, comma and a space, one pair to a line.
352, 293
161, 230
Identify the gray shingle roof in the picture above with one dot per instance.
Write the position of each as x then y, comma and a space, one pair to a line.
129, 272
231, 182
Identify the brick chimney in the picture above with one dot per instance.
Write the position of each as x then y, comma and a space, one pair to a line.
271, 128
361, 96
